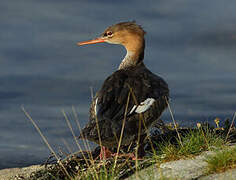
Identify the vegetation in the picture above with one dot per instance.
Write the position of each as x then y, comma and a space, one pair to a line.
193, 143
175, 144
222, 160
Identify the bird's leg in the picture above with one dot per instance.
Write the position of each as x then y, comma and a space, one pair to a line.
127, 155
105, 153
139, 148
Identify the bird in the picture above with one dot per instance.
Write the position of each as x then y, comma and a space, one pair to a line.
131, 99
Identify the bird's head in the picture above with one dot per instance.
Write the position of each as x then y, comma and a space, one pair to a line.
128, 34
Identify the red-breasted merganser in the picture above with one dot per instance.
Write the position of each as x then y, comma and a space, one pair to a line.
132, 93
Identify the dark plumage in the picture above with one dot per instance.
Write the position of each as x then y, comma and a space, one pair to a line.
132, 83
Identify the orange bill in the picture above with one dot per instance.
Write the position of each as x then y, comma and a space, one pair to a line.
93, 41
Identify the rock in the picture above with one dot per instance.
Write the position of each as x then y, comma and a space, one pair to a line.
229, 175
18, 173
187, 169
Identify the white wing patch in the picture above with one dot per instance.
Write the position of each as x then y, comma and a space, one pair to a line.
132, 110
96, 107
144, 106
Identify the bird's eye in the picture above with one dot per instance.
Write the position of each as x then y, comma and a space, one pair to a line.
109, 34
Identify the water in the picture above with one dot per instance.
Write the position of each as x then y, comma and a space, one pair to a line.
191, 44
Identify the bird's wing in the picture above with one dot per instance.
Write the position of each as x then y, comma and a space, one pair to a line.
124, 89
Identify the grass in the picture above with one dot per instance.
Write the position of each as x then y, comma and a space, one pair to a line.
179, 144
222, 160
194, 142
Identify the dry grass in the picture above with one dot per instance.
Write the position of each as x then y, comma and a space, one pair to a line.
86, 166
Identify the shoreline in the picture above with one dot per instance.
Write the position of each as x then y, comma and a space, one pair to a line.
10, 173
190, 168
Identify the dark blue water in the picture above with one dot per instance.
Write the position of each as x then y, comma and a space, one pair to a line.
191, 44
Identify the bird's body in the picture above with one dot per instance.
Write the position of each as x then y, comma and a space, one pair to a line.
109, 105
132, 96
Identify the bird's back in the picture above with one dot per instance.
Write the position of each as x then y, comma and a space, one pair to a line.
132, 94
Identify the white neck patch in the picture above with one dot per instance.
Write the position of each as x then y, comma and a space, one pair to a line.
127, 59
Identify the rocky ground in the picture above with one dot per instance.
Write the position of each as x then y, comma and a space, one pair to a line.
18, 173
194, 168
187, 169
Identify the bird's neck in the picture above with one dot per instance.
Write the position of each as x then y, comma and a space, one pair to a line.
134, 55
